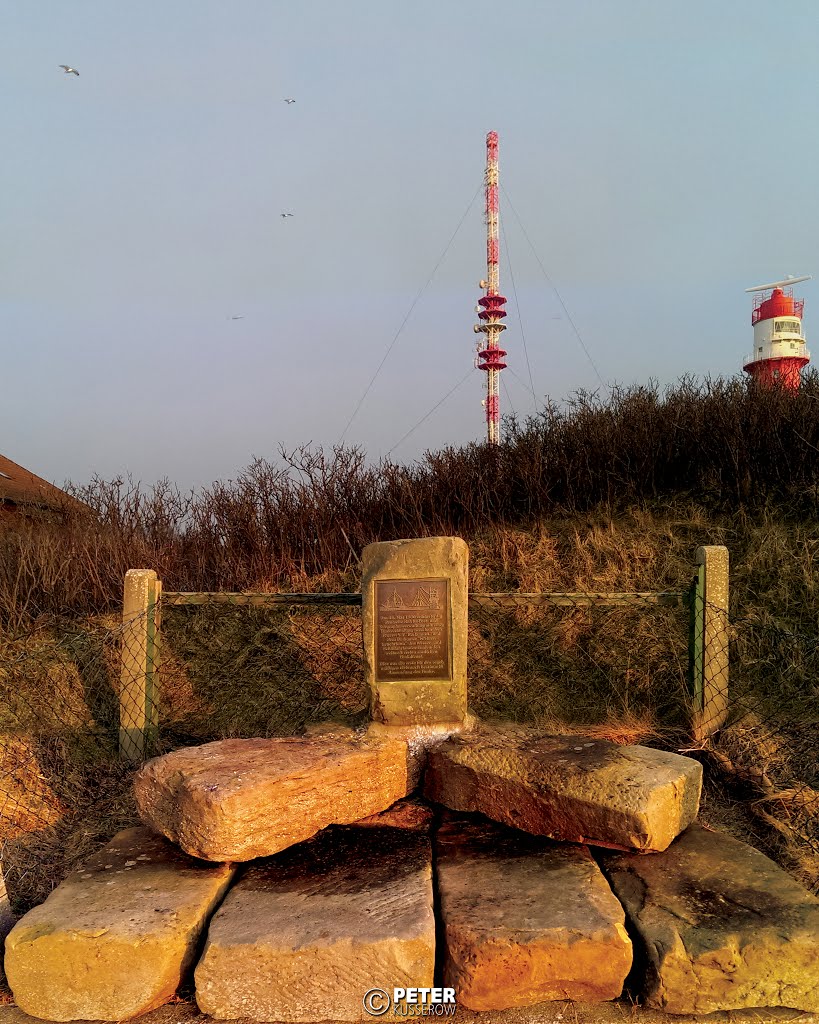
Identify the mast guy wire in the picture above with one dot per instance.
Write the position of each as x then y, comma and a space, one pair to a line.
409, 311
554, 288
451, 391
517, 307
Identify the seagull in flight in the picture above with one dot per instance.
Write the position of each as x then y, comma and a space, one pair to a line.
285, 214
237, 317
69, 71
289, 100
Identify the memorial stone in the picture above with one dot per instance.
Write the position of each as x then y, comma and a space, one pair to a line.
414, 597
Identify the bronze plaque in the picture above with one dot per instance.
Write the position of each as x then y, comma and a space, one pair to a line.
412, 630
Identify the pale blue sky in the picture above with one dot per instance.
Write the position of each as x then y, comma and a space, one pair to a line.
661, 155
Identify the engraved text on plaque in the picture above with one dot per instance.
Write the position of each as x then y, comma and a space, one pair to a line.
412, 630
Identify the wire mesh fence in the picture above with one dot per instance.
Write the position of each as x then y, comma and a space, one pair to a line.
582, 659
63, 786
766, 751
241, 670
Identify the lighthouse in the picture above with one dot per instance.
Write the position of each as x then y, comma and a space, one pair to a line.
779, 351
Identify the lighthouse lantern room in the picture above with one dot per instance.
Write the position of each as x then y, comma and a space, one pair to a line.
779, 351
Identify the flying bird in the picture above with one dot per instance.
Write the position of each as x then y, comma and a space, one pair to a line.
237, 317
69, 71
289, 100
285, 214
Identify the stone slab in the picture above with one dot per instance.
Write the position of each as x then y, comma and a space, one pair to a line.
305, 935
237, 800
114, 939
401, 699
722, 927
571, 788
525, 919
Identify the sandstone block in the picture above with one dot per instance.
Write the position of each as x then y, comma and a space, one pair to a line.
114, 939
571, 788
722, 927
236, 800
414, 616
304, 935
526, 919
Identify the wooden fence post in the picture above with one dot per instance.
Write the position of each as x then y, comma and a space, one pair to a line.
710, 642
138, 710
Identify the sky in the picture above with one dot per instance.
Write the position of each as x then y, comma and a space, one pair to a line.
656, 159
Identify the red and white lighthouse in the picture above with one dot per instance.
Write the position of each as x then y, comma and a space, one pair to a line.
779, 351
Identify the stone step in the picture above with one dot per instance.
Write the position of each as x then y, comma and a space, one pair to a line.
525, 919
720, 925
114, 939
238, 800
572, 788
303, 936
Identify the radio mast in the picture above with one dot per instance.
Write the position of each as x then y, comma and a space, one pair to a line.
491, 310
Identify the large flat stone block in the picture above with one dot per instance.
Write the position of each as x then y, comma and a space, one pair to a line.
303, 936
525, 920
414, 616
722, 927
114, 939
571, 788
236, 800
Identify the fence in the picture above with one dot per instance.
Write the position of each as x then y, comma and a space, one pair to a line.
765, 757
80, 706
64, 789
525, 651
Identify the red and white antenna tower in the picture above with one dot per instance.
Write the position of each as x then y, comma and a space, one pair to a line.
779, 351
491, 305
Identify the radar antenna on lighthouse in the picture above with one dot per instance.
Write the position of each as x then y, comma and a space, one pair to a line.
779, 351
490, 357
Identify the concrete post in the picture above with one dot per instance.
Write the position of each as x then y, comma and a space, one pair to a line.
138, 710
710, 638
